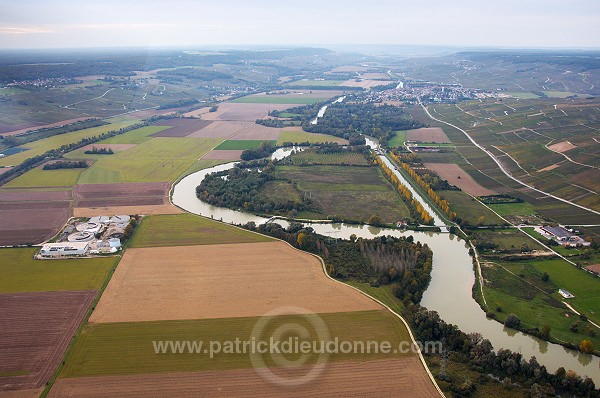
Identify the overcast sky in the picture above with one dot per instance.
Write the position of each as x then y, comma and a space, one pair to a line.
112, 23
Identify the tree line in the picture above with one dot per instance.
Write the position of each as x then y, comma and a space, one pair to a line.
66, 164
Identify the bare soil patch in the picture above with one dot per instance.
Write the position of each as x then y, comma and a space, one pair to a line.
349, 68
427, 134
221, 129
452, 172
122, 194
180, 127
549, 168
197, 112
29, 393
402, 377
258, 132
4, 169
226, 154
145, 210
114, 147
244, 112
161, 283
594, 267
35, 330
561, 147
30, 216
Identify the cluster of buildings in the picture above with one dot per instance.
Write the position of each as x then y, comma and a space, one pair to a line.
562, 235
430, 92
46, 82
98, 235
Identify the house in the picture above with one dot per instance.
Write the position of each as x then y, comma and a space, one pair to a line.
64, 249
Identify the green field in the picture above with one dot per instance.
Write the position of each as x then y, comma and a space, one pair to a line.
136, 136
41, 146
398, 139
559, 94
278, 99
38, 177
202, 164
19, 272
523, 292
316, 83
311, 157
241, 144
189, 229
159, 159
301, 136
470, 209
352, 193
514, 209
509, 240
127, 348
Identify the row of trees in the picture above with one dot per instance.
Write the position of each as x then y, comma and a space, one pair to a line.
414, 205
99, 151
66, 164
38, 134
479, 355
441, 203
265, 149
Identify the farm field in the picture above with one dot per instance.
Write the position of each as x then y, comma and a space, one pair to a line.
39, 178
136, 136
427, 134
398, 139
242, 112
517, 133
518, 288
159, 159
30, 217
180, 127
513, 209
127, 348
122, 194
41, 146
189, 230
277, 99
455, 175
142, 286
142, 210
470, 209
319, 83
224, 154
301, 136
354, 193
222, 129
509, 240
240, 144
38, 327
365, 83
20, 272
311, 157
400, 377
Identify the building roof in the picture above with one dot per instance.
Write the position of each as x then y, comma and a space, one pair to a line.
73, 245
559, 232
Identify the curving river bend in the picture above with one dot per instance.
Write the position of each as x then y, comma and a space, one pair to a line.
449, 292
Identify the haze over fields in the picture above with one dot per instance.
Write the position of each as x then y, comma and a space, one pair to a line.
512, 23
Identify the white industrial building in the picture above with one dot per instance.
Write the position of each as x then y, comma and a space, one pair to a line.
64, 249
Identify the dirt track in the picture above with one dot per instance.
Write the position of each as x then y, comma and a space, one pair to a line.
404, 377
451, 172
35, 330
220, 281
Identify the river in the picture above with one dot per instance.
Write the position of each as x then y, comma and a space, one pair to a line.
324, 108
449, 292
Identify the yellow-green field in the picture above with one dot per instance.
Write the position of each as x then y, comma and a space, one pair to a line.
189, 229
158, 159
20, 272
41, 146
38, 177
136, 136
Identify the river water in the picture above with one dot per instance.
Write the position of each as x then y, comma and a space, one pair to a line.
324, 108
449, 292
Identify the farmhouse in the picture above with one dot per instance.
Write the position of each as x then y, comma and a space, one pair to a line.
64, 249
562, 236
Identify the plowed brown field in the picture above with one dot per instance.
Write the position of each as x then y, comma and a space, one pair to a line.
220, 281
457, 176
122, 194
403, 377
35, 330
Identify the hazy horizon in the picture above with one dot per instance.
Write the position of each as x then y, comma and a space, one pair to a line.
38, 24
